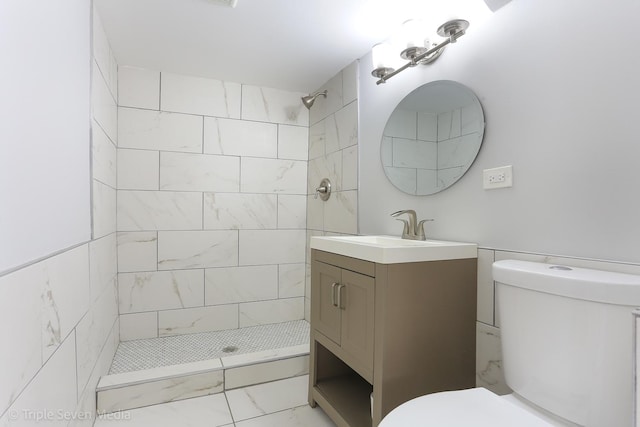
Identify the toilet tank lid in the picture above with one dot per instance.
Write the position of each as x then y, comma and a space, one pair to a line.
573, 282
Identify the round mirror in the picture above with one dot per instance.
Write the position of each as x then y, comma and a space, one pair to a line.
432, 137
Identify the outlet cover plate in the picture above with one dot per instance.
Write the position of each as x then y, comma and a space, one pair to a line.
501, 177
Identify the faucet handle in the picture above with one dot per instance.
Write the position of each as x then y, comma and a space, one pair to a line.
420, 229
405, 229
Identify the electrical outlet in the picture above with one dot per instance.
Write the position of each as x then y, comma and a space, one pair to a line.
497, 178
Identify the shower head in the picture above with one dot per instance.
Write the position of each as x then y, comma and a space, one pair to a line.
310, 99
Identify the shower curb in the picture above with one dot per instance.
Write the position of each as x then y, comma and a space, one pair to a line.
130, 390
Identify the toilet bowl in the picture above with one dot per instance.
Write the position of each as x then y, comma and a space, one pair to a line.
477, 407
566, 337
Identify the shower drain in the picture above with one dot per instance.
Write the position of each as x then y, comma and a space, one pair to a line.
229, 349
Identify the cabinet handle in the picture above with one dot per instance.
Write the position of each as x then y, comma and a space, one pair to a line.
340, 287
333, 294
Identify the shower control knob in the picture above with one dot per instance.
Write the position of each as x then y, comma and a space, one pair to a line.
324, 190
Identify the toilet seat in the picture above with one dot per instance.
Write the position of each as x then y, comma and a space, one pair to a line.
477, 407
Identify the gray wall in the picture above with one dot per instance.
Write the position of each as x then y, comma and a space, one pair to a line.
558, 82
44, 168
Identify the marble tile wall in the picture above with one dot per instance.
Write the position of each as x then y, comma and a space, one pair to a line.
65, 306
211, 205
333, 154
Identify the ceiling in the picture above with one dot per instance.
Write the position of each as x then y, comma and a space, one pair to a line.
294, 45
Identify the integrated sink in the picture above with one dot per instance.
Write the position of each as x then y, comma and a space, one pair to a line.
393, 250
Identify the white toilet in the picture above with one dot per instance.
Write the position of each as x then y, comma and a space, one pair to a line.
567, 346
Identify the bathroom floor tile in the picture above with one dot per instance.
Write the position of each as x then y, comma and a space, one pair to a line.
302, 416
262, 399
207, 411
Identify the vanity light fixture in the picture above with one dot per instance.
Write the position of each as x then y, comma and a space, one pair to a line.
415, 52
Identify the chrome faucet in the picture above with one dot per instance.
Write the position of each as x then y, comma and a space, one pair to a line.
413, 230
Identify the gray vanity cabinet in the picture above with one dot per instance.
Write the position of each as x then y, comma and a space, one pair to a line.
342, 312
395, 330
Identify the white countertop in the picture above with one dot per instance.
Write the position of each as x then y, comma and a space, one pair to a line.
394, 250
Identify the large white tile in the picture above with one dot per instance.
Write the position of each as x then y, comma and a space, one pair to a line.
331, 135
350, 82
293, 142
103, 265
159, 210
489, 373
291, 280
258, 373
201, 319
402, 124
103, 105
324, 107
87, 399
137, 251
261, 357
449, 125
197, 95
197, 249
103, 156
262, 399
273, 176
427, 126
225, 211
207, 411
485, 286
138, 169
266, 312
341, 212
136, 326
240, 138
164, 390
330, 167
302, 416
101, 50
455, 152
347, 125
115, 381
315, 213
158, 130
161, 290
350, 168
93, 331
199, 172
429, 180
241, 284
52, 394
273, 105
21, 349
65, 296
103, 207
411, 153
292, 211
258, 247
317, 140
138, 87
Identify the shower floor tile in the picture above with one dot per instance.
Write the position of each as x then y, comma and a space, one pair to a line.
174, 350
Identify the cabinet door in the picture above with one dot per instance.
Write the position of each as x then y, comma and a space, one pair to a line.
357, 303
325, 313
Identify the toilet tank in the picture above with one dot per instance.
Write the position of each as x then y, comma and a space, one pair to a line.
567, 336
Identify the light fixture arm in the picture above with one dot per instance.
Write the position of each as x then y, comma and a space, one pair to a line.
453, 30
